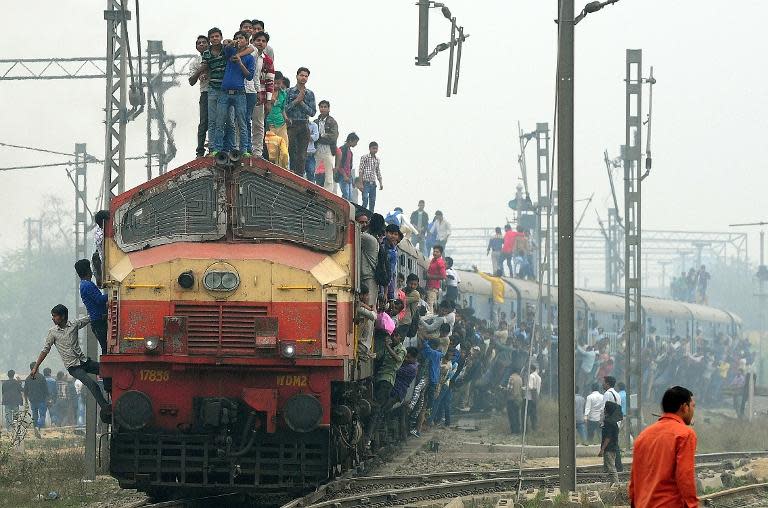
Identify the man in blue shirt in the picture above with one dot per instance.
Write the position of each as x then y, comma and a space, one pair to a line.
95, 302
299, 107
239, 69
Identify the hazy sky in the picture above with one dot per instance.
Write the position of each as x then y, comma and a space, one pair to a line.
459, 154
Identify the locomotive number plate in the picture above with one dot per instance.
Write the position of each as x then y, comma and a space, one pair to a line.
153, 375
291, 380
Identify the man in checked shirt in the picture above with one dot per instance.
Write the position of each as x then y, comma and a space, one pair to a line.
63, 335
369, 172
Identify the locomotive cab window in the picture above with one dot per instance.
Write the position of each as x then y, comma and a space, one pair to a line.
185, 208
271, 209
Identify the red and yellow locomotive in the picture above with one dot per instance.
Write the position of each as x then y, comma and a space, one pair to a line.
232, 349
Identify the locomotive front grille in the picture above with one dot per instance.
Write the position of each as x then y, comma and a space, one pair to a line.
220, 328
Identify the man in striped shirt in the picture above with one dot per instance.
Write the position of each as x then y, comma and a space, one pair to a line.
214, 64
370, 171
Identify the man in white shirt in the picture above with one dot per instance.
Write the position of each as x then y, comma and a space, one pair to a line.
611, 395
532, 390
198, 75
593, 410
452, 281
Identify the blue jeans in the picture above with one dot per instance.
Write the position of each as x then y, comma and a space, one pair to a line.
309, 167
224, 101
369, 195
442, 407
581, 431
38, 413
229, 136
346, 190
250, 103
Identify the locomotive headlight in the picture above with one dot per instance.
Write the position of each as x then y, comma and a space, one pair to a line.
287, 350
213, 280
150, 344
229, 281
221, 281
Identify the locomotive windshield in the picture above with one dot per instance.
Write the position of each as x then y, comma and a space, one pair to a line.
187, 208
192, 207
268, 209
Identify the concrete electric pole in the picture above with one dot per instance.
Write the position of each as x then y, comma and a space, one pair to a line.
565, 300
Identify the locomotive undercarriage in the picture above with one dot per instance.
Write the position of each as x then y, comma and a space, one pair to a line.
280, 462
228, 449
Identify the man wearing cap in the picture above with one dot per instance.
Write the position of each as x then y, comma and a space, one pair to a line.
392, 237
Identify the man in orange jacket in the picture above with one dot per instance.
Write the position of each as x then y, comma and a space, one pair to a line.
663, 473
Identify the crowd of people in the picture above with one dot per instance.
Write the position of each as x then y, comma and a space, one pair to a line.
245, 104
62, 398
53, 401
416, 332
691, 287
717, 368
514, 247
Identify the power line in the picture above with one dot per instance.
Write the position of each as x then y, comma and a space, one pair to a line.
34, 149
68, 163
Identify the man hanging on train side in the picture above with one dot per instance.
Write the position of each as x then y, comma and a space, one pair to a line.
63, 335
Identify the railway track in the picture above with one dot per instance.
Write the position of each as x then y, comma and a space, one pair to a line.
747, 496
390, 490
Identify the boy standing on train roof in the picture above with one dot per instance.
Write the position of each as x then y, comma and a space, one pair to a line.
370, 171
198, 75
214, 63
64, 335
435, 275
300, 106
238, 69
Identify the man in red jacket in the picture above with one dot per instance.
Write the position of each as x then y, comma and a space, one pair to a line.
663, 474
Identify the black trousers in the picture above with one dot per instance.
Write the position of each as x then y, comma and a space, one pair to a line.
202, 127
298, 139
533, 414
81, 372
513, 414
99, 328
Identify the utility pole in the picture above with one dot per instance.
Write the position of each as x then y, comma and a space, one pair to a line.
32, 234
86, 335
565, 315
162, 149
664, 277
81, 214
762, 277
117, 17
633, 311
422, 57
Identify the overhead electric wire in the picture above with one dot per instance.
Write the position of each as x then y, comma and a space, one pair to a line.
67, 163
34, 149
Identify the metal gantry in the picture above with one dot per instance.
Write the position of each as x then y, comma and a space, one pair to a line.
632, 156
116, 107
160, 145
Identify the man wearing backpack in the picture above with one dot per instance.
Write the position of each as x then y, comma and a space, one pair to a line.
611, 395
